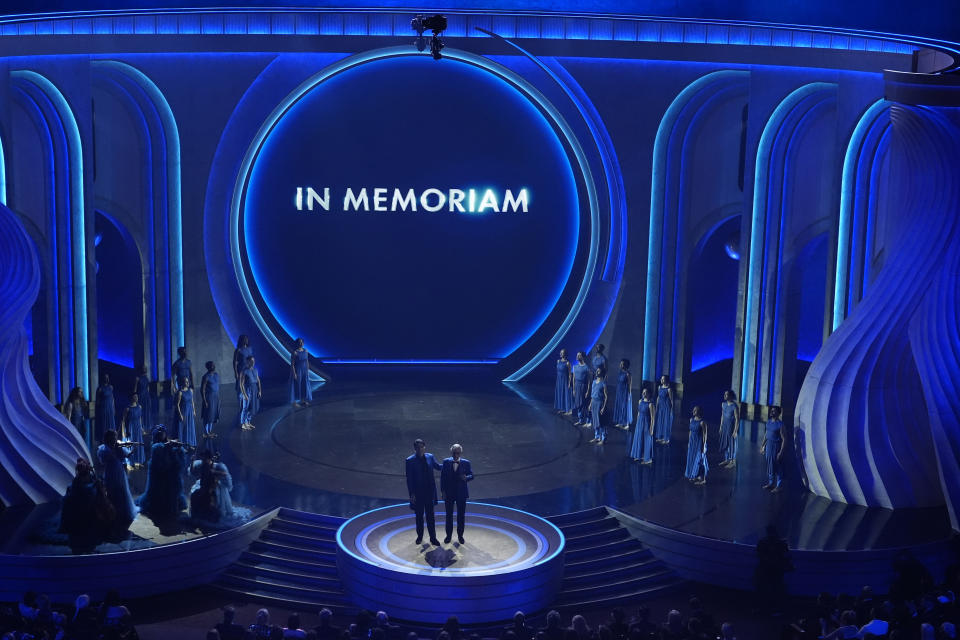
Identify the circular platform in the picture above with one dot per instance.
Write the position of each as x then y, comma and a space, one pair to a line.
510, 560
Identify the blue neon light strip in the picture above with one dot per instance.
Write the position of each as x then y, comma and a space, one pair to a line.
848, 183
3, 176
389, 361
758, 227
513, 24
661, 148
402, 51
171, 134
77, 220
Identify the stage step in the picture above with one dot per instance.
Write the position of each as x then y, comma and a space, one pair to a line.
293, 563
604, 565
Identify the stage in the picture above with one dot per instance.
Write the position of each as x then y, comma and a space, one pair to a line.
344, 455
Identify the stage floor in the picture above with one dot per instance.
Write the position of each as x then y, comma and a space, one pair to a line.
344, 455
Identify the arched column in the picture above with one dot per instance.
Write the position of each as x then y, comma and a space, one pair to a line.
667, 246
67, 225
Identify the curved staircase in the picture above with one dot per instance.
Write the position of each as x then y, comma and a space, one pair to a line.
604, 565
293, 563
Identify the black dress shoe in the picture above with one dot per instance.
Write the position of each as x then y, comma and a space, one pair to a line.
434, 542
446, 540
419, 539
460, 539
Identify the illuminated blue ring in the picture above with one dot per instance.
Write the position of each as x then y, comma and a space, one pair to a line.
543, 521
521, 549
395, 52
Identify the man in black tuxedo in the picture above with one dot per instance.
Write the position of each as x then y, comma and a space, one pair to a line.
422, 487
454, 475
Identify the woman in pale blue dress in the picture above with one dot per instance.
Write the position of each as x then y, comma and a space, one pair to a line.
581, 390
563, 388
113, 461
623, 401
210, 495
729, 429
240, 355
772, 450
186, 414
209, 404
131, 428
250, 392
697, 449
141, 387
300, 393
664, 411
641, 446
106, 416
598, 406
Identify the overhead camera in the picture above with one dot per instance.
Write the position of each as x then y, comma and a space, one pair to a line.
437, 24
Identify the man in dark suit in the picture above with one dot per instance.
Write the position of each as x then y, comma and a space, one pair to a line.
454, 476
422, 487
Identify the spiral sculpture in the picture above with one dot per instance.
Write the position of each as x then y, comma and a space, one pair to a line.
877, 415
38, 447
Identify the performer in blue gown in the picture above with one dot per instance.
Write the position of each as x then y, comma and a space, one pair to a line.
209, 405
300, 393
581, 390
664, 411
599, 359
77, 411
729, 429
240, 355
163, 498
180, 369
186, 413
106, 416
132, 428
210, 495
641, 447
563, 388
250, 392
772, 449
697, 449
623, 401
598, 405
113, 461
141, 387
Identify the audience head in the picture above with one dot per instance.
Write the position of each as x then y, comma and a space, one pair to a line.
948, 630
293, 621
412, 635
325, 616
382, 617
553, 619
263, 617
83, 601
726, 631
927, 631
452, 624
579, 624
229, 613
643, 613
377, 633
519, 618
443, 635
674, 621
213, 634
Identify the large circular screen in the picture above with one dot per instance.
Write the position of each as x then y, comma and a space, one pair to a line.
409, 209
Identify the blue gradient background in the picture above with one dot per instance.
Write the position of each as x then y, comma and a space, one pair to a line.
404, 285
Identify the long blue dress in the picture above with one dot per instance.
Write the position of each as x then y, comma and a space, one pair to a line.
224, 504
251, 406
773, 442
664, 424
106, 417
300, 387
133, 419
182, 367
623, 402
188, 425
115, 482
641, 446
562, 394
210, 406
581, 391
728, 444
596, 403
695, 454
142, 389
163, 497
